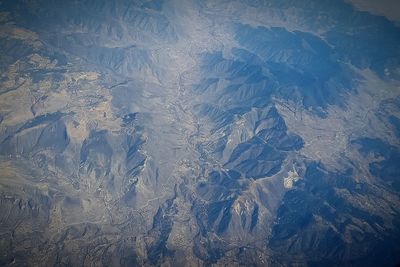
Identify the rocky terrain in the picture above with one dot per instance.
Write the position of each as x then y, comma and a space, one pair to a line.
198, 133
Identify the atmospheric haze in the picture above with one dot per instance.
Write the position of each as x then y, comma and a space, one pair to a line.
199, 133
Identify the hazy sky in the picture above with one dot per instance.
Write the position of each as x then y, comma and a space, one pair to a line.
387, 8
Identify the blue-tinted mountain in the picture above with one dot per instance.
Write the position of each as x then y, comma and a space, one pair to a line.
198, 133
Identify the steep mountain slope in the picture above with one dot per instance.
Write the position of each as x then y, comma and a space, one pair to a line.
261, 133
